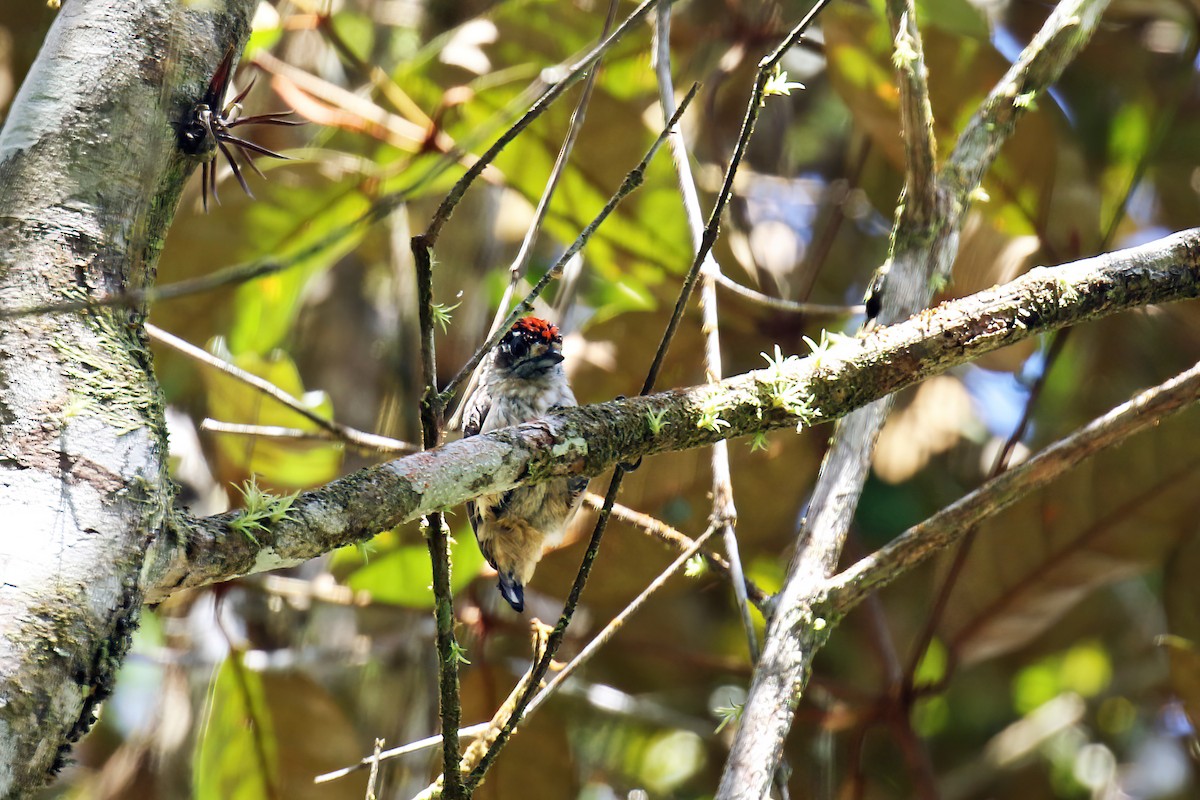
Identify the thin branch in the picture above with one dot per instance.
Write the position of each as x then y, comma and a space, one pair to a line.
924, 244
345, 433
591, 439
632, 181
516, 270
372, 780
847, 589
436, 531
383, 444
614, 626
573, 73
418, 746
709, 238
724, 511
604, 637
782, 304
679, 541
485, 738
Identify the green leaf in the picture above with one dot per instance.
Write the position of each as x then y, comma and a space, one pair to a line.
285, 221
403, 576
236, 758
1129, 139
281, 463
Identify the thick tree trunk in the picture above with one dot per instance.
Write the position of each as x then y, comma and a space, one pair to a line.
89, 177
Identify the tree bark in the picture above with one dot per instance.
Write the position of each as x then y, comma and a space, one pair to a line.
91, 176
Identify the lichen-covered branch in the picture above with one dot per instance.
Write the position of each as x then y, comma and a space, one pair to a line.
847, 589
91, 174
590, 439
924, 244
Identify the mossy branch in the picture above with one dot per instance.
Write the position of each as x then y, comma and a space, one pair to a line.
590, 439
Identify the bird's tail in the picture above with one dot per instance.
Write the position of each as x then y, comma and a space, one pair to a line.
512, 591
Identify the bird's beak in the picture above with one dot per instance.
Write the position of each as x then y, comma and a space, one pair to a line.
512, 592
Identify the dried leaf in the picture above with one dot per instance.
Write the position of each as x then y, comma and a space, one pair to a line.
1115, 516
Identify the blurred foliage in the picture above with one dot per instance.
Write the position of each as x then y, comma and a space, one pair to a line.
1026, 690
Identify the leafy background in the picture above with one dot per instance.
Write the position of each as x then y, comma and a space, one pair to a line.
1066, 661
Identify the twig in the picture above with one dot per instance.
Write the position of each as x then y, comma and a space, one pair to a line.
345, 433
632, 181
477, 748
573, 73
412, 747
781, 304
374, 777
710, 231
383, 444
614, 626
516, 270
924, 245
845, 590
724, 512
679, 541
585, 655
436, 534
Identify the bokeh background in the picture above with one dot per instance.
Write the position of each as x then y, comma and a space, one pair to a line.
1064, 662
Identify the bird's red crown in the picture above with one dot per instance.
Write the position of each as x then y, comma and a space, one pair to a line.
538, 328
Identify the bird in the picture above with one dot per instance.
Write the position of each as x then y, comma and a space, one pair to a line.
523, 379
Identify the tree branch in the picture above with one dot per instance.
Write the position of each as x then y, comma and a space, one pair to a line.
924, 243
92, 173
590, 439
847, 589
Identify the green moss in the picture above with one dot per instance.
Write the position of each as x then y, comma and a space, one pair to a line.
111, 380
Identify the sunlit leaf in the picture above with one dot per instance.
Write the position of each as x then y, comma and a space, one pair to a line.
403, 575
237, 752
272, 729
282, 463
287, 223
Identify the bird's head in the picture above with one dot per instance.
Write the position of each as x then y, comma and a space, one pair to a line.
531, 347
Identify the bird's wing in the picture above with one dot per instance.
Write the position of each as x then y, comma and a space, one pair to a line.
576, 487
478, 405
